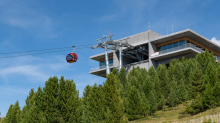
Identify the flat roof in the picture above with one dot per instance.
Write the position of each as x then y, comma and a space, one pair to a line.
97, 57
191, 34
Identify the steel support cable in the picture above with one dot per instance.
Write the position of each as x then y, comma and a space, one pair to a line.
45, 49
41, 53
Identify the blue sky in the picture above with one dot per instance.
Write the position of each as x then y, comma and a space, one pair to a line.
32, 25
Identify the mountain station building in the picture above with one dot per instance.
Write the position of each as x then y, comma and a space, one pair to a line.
152, 49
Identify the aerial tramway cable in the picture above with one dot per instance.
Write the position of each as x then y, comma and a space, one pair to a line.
41, 52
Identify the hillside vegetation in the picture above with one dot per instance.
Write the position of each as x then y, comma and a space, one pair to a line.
140, 94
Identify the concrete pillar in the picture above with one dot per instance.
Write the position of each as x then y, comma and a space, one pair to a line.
151, 49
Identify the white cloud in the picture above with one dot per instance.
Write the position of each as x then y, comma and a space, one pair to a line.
23, 15
28, 70
215, 40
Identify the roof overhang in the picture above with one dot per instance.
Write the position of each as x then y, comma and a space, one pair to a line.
186, 51
192, 35
101, 56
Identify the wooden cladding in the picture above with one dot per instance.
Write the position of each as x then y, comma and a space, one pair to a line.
110, 57
202, 46
187, 38
169, 42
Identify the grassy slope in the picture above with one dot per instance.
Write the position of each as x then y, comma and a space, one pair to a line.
172, 115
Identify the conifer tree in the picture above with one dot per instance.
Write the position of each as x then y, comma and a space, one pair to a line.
9, 116
148, 86
152, 102
196, 82
208, 99
52, 112
216, 93
182, 93
123, 80
164, 80
152, 73
69, 104
134, 104
162, 102
14, 114
172, 97
204, 58
211, 75
86, 103
145, 105
95, 110
196, 106
113, 101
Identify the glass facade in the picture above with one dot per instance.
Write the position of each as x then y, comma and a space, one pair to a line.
102, 64
164, 48
179, 45
170, 47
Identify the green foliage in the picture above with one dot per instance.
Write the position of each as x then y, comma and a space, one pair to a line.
14, 114
216, 93
145, 105
68, 101
163, 78
172, 99
208, 98
113, 102
196, 106
134, 104
152, 102
182, 93
211, 75
196, 82
94, 105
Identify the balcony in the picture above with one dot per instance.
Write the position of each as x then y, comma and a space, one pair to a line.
179, 48
100, 67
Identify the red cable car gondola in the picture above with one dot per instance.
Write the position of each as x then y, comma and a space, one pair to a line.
71, 57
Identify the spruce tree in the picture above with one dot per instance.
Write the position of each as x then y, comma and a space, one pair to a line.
151, 72
204, 59
211, 75
9, 116
86, 103
52, 112
196, 106
14, 114
134, 104
182, 93
113, 101
196, 82
216, 93
69, 104
172, 99
95, 110
208, 99
164, 80
152, 102
148, 86
145, 105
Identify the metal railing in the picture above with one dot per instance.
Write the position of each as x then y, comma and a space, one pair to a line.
186, 46
100, 67
182, 47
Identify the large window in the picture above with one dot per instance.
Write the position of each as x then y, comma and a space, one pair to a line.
175, 46
102, 64
170, 47
111, 61
182, 44
164, 48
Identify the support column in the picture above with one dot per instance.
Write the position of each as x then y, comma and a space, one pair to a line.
106, 61
120, 57
152, 49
